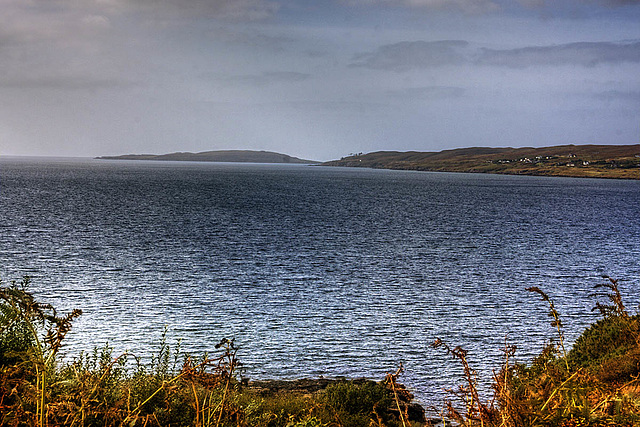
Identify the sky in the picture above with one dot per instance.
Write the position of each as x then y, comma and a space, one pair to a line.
315, 79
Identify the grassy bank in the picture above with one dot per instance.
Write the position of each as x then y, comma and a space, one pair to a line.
594, 383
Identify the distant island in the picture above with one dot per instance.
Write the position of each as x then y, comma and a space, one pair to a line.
592, 161
241, 156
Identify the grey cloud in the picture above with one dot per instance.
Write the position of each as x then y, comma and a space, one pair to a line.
55, 23
405, 56
614, 3
467, 6
533, 4
271, 78
472, 7
539, 4
66, 83
98, 12
618, 95
427, 92
238, 10
586, 54
254, 39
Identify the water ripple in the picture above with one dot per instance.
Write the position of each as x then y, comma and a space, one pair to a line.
315, 271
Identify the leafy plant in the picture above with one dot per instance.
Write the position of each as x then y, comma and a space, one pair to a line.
610, 348
39, 334
595, 383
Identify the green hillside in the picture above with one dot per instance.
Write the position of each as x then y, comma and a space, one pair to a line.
596, 161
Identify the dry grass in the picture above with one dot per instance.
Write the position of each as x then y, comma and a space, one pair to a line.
594, 383
103, 389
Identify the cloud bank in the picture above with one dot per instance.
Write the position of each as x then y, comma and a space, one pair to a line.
471, 7
585, 54
408, 55
315, 79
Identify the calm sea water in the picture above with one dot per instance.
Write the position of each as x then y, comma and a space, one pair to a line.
314, 270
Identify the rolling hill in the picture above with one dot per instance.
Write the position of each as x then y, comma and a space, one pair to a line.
596, 161
241, 156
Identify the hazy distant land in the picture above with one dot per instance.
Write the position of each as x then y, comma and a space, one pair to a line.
241, 156
595, 161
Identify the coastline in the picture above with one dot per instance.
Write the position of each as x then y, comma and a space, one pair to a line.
634, 177
570, 161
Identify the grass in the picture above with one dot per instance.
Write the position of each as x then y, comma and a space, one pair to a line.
596, 382
173, 389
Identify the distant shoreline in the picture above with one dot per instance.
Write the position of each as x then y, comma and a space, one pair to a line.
223, 156
570, 161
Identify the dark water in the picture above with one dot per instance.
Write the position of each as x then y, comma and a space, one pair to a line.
315, 271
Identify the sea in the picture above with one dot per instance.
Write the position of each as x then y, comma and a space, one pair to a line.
316, 271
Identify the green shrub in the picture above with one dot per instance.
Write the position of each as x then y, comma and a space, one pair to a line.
281, 409
609, 347
356, 397
361, 403
16, 338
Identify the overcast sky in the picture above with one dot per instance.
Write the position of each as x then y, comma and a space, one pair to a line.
315, 79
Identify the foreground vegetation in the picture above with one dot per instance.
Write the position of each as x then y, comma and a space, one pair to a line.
103, 389
595, 383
